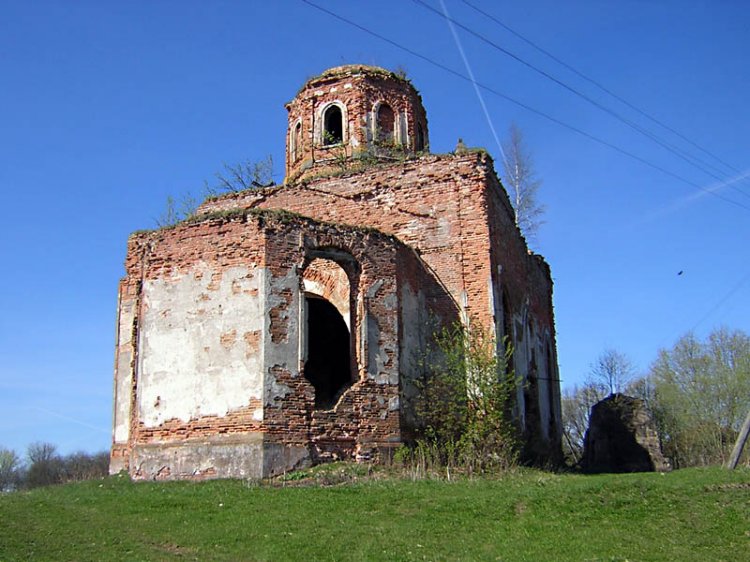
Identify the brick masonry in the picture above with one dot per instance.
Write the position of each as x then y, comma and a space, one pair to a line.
212, 343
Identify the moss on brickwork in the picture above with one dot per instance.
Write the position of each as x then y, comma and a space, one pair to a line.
267, 217
357, 69
359, 163
241, 193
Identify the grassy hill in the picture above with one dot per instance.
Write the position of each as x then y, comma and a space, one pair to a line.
701, 515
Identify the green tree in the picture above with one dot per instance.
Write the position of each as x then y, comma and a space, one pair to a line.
10, 470
701, 395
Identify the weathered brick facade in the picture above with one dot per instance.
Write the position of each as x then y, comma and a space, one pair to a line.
282, 326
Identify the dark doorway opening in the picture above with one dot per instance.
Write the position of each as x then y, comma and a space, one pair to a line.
328, 364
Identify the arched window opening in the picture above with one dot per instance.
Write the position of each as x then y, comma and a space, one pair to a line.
326, 278
508, 326
296, 142
420, 138
385, 123
508, 336
328, 364
333, 126
531, 398
551, 393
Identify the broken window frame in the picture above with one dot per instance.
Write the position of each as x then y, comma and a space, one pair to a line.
350, 268
327, 137
381, 134
295, 141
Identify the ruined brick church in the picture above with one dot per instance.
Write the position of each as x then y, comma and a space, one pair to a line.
283, 326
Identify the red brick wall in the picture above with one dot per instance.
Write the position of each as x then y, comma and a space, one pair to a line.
358, 89
436, 204
458, 254
454, 212
362, 419
161, 254
367, 417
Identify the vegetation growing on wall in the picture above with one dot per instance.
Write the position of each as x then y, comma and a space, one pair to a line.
233, 178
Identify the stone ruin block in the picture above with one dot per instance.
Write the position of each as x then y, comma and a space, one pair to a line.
621, 437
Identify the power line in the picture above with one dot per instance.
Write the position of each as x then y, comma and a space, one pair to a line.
617, 97
723, 300
478, 92
689, 158
522, 105
600, 86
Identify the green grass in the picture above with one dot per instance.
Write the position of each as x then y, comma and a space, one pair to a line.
529, 515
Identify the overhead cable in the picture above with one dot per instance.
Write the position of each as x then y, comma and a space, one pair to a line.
694, 161
523, 105
600, 86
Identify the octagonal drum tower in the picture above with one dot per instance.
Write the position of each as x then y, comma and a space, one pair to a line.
353, 111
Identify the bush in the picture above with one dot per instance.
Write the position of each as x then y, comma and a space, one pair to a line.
46, 467
83, 466
465, 404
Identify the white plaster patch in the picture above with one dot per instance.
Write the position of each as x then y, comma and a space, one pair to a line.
284, 354
443, 235
387, 200
394, 404
413, 229
385, 374
373, 289
123, 372
276, 390
185, 371
416, 324
390, 301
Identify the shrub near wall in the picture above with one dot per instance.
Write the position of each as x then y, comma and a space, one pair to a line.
465, 405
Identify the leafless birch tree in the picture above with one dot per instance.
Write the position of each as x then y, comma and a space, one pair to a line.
522, 184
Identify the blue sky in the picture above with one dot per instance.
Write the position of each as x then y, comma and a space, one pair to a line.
107, 108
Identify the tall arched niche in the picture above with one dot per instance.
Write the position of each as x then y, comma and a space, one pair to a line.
328, 342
